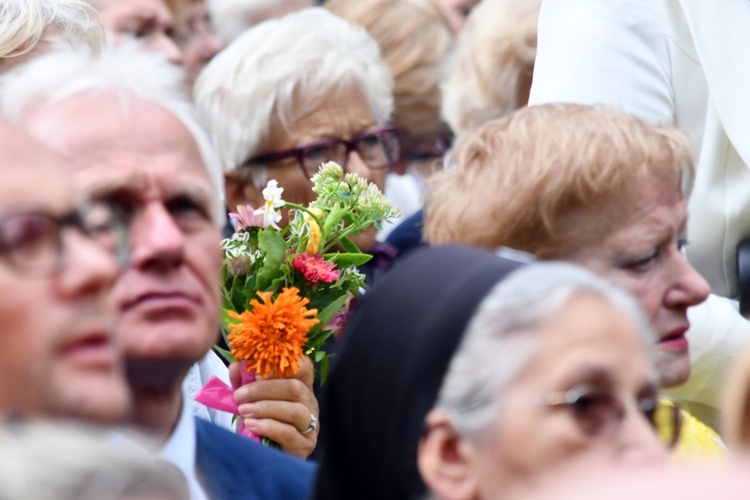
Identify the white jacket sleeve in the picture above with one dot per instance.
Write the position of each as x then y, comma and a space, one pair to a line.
609, 52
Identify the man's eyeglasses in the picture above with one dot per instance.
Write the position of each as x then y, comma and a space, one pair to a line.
598, 412
379, 149
32, 242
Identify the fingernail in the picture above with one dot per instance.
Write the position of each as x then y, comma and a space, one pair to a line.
250, 423
246, 409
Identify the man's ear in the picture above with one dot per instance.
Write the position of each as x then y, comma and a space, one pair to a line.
239, 191
446, 460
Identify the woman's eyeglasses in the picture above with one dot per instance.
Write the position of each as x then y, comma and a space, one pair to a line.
379, 149
598, 412
32, 242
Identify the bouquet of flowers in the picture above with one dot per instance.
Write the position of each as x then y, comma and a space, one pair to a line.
286, 291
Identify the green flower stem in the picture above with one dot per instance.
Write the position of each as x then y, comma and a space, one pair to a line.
341, 236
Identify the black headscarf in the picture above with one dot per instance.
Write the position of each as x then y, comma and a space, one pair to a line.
394, 356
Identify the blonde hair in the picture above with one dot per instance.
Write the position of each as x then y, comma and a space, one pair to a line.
529, 181
489, 73
414, 38
26, 23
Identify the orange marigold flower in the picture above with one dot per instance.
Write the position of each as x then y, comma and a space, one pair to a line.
314, 268
271, 336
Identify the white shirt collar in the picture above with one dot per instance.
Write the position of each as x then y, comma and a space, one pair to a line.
180, 450
198, 376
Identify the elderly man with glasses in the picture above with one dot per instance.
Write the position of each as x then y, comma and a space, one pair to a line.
57, 265
128, 135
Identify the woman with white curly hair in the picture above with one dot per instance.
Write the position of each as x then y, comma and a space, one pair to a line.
292, 93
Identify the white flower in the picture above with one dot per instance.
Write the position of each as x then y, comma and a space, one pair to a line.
236, 246
272, 195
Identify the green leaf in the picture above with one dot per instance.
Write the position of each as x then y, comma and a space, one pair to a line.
344, 260
237, 295
316, 338
323, 299
327, 314
227, 355
274, 246
349, 245
319, 355
226, 299
227, 320
324, 367
225, 334
224, 273
245, 294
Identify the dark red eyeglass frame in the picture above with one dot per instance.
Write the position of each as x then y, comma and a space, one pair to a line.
352, 145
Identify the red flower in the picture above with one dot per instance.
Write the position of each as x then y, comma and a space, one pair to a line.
315, 269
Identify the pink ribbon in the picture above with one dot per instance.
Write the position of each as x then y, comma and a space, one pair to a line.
218, 395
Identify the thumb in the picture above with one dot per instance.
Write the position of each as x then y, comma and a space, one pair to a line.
235, 377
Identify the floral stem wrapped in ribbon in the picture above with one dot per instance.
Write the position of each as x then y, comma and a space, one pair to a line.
285, 290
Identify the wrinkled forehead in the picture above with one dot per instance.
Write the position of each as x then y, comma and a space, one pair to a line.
30, 176
112, 142
590, 331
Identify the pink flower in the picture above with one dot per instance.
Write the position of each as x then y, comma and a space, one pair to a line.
339, 322
315, 269
245, 218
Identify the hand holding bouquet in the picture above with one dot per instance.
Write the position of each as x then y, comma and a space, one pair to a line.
285, 290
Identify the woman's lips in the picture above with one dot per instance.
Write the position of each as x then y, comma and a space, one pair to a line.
676, 340
93, 350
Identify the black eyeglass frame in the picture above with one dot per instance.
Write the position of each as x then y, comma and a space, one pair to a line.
116, 226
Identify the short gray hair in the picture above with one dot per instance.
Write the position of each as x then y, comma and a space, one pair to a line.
87, 462
499, 340
302, 57
25, 23
126, 69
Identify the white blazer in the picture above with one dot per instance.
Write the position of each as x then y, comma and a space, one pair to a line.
684, 63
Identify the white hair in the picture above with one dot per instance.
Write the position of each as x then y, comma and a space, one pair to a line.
281, 69
66, 461
127, 70
26, 23
499, 341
